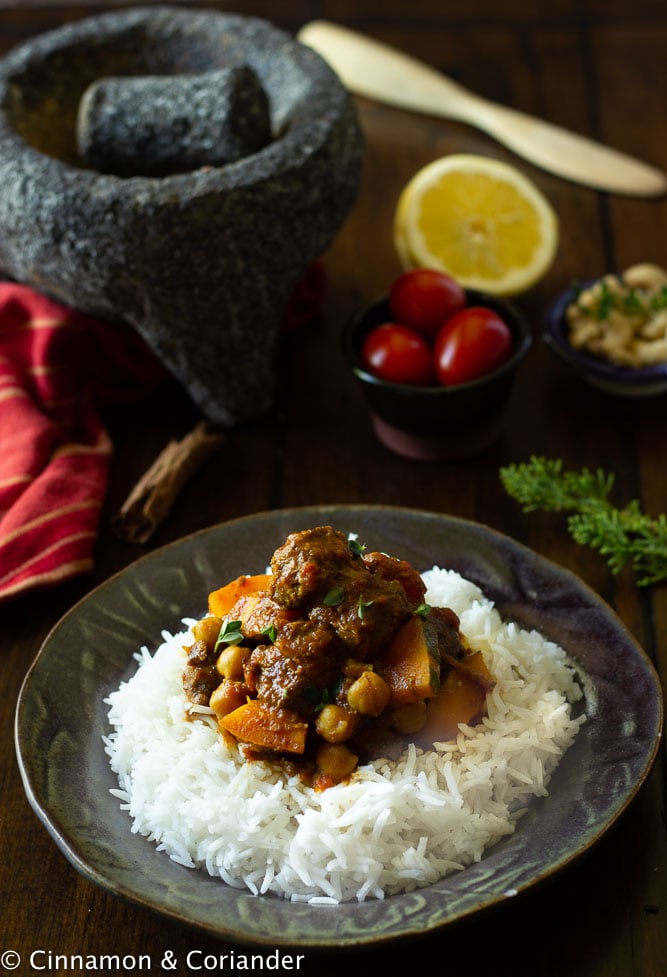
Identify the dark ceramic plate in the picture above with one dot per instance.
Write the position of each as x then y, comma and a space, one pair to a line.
61, 719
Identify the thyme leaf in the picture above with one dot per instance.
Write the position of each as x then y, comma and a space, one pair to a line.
230, 634
334, 597
357, 548
324, 701
319, 698
270, 632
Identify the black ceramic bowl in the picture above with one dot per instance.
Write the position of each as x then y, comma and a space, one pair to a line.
621, 381
437, 422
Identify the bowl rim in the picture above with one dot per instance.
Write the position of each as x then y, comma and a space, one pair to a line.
554, 335
521, 331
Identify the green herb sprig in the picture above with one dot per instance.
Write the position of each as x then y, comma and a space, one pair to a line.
625, 536
230, 634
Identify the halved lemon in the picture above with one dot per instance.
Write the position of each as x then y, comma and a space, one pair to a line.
479, 220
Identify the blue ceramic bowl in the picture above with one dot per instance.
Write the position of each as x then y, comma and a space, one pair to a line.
436, 422
621, 381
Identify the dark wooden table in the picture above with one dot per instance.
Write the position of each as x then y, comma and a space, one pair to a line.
596, 66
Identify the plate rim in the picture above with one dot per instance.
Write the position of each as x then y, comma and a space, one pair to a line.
92, 872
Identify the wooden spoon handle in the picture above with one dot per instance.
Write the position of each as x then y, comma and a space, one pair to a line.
374, 70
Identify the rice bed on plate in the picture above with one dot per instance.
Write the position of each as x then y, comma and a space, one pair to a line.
395, 826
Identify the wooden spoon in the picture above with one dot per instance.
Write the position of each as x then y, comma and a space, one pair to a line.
374, 70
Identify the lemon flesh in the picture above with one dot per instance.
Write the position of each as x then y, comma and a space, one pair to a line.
480, 221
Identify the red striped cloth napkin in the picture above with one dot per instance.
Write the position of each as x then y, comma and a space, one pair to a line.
57, 369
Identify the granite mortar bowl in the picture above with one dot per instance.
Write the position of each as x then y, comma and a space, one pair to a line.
608, 377
434, 423
201, 262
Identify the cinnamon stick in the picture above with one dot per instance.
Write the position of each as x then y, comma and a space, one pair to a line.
152, 497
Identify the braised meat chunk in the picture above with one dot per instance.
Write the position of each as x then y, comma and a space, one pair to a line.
317, 573
306, 566
363, 611
260, 615
389, 568
294, 672
330, 657
200, 676
446, 625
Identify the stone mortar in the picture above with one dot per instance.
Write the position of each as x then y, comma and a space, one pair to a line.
201, 263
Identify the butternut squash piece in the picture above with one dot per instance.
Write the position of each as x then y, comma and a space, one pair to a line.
266, 727
221, 601
474, 662
461, 699
411, 664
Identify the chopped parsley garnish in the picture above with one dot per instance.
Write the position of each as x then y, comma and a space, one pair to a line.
632, 301
659, 301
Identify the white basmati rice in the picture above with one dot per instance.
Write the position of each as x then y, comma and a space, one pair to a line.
395, 826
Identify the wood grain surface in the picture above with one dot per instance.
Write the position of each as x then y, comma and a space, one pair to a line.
598, 67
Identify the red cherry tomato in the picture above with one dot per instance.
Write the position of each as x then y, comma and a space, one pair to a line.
424, 298
396, 353
471, 343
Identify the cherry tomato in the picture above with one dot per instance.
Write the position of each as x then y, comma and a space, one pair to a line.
394, 352
471, 343
424, 298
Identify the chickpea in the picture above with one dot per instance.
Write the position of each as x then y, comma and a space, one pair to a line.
353, 668
369, 694
409, 718
227, 697
207, 630
336, 760
336, 723
231, 661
